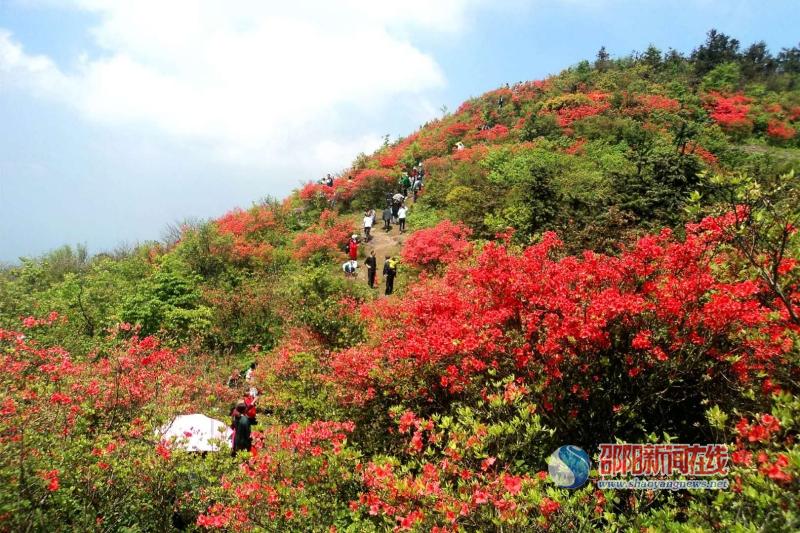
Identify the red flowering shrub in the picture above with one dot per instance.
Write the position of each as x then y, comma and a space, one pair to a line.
705, 155
76, 431
292, 480
495, 133
443, 244
251, 231
781, 131
576, 147
661, 305
730, 112
657, 102
571, 107
324, 238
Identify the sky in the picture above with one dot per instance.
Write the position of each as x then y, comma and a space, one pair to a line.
118, 118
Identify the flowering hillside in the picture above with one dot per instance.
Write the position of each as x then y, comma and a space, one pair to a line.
606, 256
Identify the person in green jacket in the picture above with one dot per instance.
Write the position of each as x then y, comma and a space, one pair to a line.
405, 183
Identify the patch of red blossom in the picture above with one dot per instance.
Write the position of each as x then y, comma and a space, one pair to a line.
285, 466
576, 147
391, 156
552, 319
247, 230
472, 154
50, 319
495, 133
444, 243
444, 493
777, 471
571, 110
548, 507
458, 130
346, 187
325, 237
780, 130
759, 431
705, 155
730, 112
51, 477
657, 102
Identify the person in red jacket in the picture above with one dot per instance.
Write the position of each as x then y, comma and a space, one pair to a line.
352, 248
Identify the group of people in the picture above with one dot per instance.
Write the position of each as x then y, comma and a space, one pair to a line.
243, 414
412, 181
395, 212
389, 271
350, 267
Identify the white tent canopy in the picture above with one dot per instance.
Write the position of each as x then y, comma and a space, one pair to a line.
196, 433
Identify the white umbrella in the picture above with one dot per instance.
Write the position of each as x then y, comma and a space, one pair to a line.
195, 433
398, 197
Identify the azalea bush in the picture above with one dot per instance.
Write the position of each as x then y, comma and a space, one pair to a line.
442, 244
77, 437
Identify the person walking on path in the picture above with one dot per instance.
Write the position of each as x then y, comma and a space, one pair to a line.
401, 217
389, 272
352, 247
397, 201
387, 218
372, 266
368, 220
405, 183
415, 187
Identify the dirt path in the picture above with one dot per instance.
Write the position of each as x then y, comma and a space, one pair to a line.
384, 243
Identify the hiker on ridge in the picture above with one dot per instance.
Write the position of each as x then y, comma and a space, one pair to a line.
372, 266
369, 219
405, 184
401, 217
389, 272
387, 218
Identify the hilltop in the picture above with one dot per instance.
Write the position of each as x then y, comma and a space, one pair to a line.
608, 254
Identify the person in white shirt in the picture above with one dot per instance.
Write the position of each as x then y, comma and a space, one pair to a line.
349, 268
369, 218
401, 216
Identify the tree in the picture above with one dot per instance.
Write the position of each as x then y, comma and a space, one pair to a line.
652, 57
718, 49
756, 62
603, 59
789, 60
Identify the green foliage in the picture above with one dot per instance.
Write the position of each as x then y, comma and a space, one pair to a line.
322, 298
169, 300
725, 78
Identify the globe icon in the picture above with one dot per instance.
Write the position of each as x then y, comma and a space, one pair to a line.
569, 466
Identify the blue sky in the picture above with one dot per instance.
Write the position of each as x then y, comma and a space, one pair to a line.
117, 118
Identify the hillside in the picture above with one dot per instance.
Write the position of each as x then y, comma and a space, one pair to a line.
606, 255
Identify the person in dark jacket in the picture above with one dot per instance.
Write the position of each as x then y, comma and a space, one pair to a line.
387, 219
372, 266
389, 272
241, 437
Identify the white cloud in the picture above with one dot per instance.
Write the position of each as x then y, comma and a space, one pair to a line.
253, 80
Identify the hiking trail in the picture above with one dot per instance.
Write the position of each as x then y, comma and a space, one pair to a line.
384, 243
